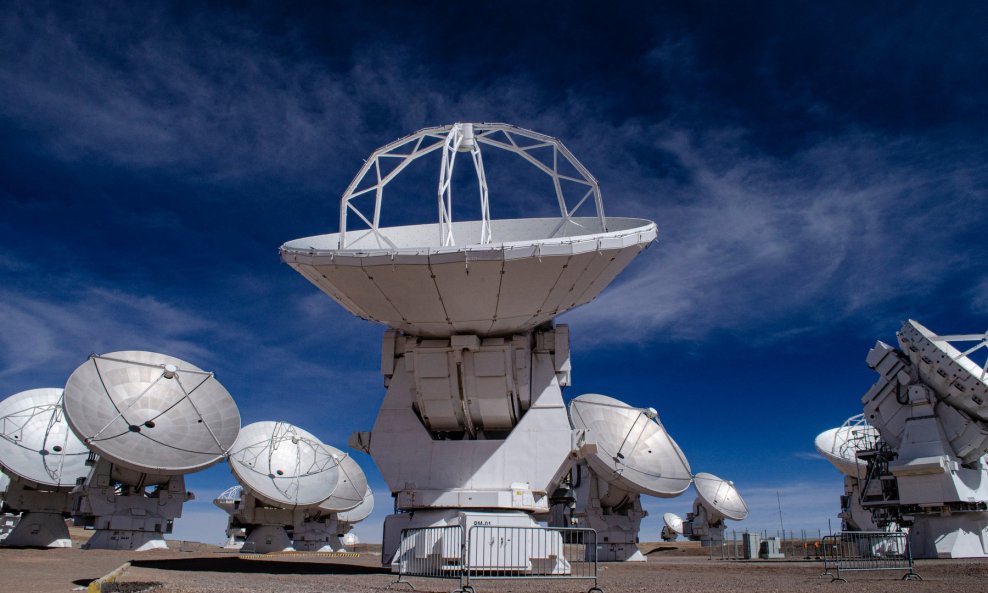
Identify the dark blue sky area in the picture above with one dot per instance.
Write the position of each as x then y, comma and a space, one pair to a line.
817, 173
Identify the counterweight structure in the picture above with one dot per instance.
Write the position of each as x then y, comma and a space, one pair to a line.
473, 364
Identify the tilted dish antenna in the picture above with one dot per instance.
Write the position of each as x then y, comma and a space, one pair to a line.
36, 444
152, 418
486, 277
352, 487
41, 460
284, 466
720, 497
840, 445
634, 451
674, 522
151, 413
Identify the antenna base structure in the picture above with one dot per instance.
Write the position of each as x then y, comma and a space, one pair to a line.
128, 510
472, 362
615, 514
328, 529
928, 471
254, 527
41, 523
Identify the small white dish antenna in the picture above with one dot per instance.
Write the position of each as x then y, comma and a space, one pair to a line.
720, 497
36, 444
357, 513
674, 522
840, 445
634, 451
151, 412
958, 380
351, 488
284, 465
228, 499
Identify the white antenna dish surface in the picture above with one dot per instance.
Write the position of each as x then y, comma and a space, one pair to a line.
151, 412
634, 451
283, 465
483, 277
673, 522
36, 443
359, 512
840, 445
720, 496
352, 486
958, 380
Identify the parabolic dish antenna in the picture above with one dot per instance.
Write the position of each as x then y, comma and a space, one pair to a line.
284, 466
359, 512
720, 496
352, 485
228, 499
673, 522
840, 445
634, 451
151, 412
36, 443
958, 380
484, 277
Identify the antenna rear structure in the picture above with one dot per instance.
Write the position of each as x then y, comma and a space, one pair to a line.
840, 446
928, 470
472, 361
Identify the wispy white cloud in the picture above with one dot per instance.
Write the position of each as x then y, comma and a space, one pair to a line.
781, 244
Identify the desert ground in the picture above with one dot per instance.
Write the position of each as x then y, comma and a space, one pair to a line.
671, 568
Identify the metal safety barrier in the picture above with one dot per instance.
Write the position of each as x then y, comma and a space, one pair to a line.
867, 550
498, 553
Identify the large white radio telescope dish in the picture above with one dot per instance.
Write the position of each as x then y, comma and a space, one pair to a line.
284, 465
840, 445
634, 450
36, 443
151, 412
720, 496
485, 277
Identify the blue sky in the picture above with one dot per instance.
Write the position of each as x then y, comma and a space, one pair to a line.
817, 173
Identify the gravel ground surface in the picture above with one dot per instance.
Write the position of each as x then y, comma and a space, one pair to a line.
668, 570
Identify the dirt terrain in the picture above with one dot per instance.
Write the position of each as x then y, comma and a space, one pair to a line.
670, 568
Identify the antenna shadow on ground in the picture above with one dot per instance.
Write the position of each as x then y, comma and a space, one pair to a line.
242, 565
